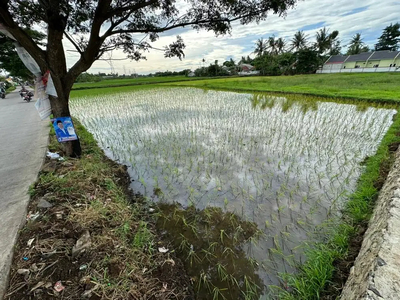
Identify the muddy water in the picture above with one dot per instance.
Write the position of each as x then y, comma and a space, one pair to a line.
243, 181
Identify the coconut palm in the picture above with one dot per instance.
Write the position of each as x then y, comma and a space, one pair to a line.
326, 41
299, 41
280, 45
261, 47
272, 45
356, 45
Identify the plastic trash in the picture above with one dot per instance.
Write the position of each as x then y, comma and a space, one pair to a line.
58, 287
29, 243
163, 250
83, 267
32, 217
52, 155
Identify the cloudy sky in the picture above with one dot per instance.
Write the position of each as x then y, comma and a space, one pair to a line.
368, 17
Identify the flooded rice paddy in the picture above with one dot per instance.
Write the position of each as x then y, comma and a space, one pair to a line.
242, 181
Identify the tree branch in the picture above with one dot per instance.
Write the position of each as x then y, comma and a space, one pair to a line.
166, 28
73, 42
121, 10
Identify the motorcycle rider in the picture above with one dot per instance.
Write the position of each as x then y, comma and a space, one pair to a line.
2, 92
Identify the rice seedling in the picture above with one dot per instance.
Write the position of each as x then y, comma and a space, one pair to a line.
237, 165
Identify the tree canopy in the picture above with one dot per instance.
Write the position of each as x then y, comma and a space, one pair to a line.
390, 38
357, 45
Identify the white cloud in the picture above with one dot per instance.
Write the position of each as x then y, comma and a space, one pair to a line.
369, 22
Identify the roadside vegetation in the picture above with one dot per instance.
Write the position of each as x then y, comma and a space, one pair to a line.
74, 198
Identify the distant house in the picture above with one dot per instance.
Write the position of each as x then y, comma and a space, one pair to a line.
247, 69
191, 74
377, 61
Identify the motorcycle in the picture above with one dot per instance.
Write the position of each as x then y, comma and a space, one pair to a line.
2, 95
28, 96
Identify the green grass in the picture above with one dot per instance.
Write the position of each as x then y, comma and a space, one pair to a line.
128, 81
111, 90
317, 271
373, 86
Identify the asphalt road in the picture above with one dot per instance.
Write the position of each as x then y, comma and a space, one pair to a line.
23, 142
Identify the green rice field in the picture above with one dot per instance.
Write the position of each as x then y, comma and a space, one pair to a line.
243, 182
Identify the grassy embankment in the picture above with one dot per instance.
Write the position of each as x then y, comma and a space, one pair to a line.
368, 86
121, 262
340, 245
106, 83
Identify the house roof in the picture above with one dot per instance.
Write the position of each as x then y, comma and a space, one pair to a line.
334, 59
246, 66
359, 57
385, 54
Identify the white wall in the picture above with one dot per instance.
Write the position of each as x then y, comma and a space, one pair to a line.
358, 70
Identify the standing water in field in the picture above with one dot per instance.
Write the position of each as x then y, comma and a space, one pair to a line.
254, 176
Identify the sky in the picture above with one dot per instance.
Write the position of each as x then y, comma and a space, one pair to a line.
367, 17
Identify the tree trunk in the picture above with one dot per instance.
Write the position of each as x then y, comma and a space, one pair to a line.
60, 108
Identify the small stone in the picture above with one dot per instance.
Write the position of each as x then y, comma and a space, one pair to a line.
44, 204
380, 262
23, 271
82, 244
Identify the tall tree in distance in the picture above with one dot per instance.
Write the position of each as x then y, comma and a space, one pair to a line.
327, 43
280, 45
299, 41
260, 48
390, 38
272, 45
356, 45
95, 27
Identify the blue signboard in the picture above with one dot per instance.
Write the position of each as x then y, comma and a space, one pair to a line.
64, 129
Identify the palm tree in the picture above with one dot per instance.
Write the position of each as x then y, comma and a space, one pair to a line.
357, 45
271, 45
299, 41
327, 41
261, 47
280, 45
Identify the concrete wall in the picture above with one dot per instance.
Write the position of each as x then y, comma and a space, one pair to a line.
376, 271
361, 70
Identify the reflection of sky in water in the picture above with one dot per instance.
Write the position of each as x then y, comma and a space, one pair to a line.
285, 171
